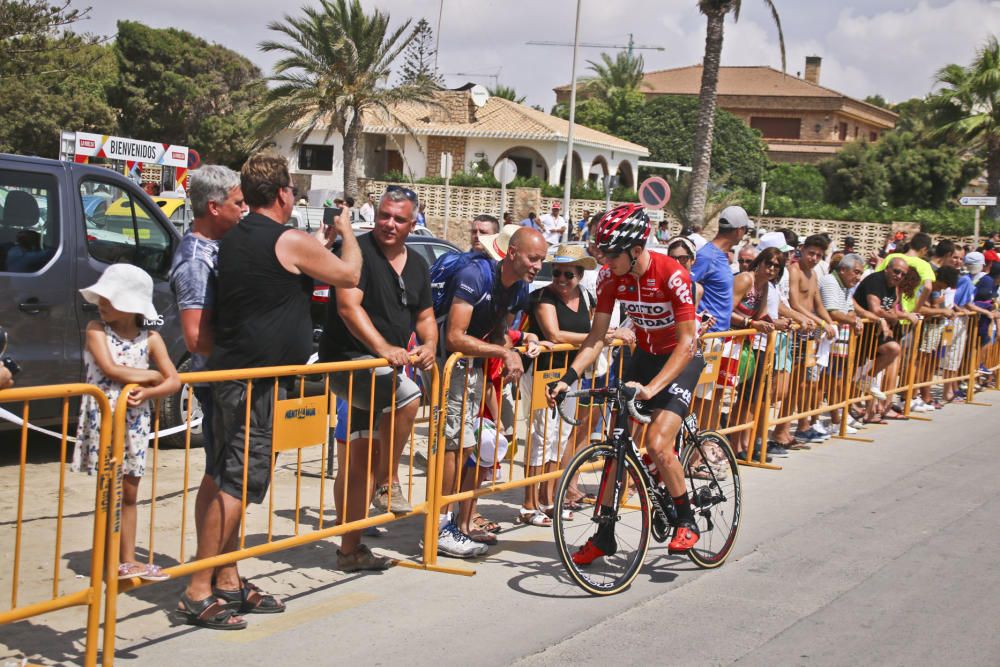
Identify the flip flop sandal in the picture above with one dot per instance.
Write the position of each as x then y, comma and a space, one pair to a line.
208, 613
574, 505
249, 599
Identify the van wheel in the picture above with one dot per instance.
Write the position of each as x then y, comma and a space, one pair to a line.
174, 413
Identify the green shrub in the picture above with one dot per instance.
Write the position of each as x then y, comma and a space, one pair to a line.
802, 182
395, 177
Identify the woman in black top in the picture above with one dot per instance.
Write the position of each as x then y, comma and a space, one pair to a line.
560, 313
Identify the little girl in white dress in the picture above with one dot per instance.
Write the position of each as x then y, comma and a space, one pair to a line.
118, 352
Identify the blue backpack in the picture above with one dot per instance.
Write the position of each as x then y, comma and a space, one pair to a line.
442, 278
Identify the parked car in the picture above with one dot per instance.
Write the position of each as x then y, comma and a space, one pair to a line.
71, 221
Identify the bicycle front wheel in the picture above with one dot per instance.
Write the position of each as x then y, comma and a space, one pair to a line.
713, 483
627, 525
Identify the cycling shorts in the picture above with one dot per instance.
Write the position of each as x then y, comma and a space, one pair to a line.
676, 397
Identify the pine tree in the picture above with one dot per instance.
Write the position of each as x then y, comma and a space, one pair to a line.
418, 61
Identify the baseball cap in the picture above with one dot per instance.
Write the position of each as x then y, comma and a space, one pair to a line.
773, 240
556, 204
734, 217
974, 258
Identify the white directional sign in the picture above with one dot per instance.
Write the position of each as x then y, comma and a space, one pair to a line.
978, 201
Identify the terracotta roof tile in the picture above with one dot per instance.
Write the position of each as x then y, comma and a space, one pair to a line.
498, 118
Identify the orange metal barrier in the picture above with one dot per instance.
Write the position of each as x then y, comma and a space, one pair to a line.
751, 383
469, 465
732, 391
303, 418
33, 519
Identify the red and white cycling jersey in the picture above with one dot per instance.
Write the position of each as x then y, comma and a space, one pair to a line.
655, 302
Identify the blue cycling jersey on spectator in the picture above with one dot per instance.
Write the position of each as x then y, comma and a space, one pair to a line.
488, 317
711, 269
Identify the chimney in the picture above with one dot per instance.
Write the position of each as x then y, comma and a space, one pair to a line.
812, 69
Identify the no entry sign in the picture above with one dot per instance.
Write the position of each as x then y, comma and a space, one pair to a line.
654, 193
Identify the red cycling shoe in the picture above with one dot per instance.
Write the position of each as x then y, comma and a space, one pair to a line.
685, 537
588, 553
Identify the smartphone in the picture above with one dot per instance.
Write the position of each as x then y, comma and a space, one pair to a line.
330, 214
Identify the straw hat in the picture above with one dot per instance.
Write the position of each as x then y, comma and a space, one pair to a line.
127, 287
496, 245
572, 255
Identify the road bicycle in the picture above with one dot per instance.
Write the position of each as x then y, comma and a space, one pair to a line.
643, 504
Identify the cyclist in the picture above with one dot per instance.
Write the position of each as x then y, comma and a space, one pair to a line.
655, 291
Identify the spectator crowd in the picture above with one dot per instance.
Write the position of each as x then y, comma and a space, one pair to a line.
243, 279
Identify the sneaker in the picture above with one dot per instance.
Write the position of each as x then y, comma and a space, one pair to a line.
918, 405
856, 423
777, 450
685, 537
395, 493
809, 435
453, 542
363, 559
850, 430
819, 428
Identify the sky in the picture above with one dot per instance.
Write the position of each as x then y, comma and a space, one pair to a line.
888, 47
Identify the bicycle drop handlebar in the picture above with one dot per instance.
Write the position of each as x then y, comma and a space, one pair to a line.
623, 395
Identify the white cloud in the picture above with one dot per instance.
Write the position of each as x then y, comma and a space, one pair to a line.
891, 47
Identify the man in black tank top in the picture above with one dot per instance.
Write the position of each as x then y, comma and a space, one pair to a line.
266, 273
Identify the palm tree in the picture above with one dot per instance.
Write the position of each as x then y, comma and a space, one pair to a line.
624, 72
506, 93
335, 67
715, 11
967, 109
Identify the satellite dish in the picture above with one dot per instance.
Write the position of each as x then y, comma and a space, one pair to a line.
479, 95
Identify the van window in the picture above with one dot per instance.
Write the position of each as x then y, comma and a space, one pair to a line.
29, 221
121, 228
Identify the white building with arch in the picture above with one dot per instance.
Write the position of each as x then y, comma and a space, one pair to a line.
475, 131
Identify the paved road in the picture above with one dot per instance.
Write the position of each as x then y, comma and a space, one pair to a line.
862, 553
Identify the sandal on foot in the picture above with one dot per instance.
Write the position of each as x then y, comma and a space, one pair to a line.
482, 523
549, 510
363, 558
249, 599
482, 536
209, 613
144, 572
534, 518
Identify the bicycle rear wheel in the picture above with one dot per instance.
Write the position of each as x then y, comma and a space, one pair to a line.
586, 474
713, 482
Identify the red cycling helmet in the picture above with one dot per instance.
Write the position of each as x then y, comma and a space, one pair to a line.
622, 227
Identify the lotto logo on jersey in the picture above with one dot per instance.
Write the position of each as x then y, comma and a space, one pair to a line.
680, 287
650, 316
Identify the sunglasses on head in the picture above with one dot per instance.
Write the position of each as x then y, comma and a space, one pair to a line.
569, 274
407, 192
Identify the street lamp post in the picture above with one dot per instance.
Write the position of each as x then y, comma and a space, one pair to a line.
568, 162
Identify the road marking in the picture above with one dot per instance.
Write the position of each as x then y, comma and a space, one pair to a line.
294, 618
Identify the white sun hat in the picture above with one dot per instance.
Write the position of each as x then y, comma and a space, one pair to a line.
127, 287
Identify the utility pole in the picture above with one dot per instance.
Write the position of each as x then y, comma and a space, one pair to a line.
568, 162
437, 35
